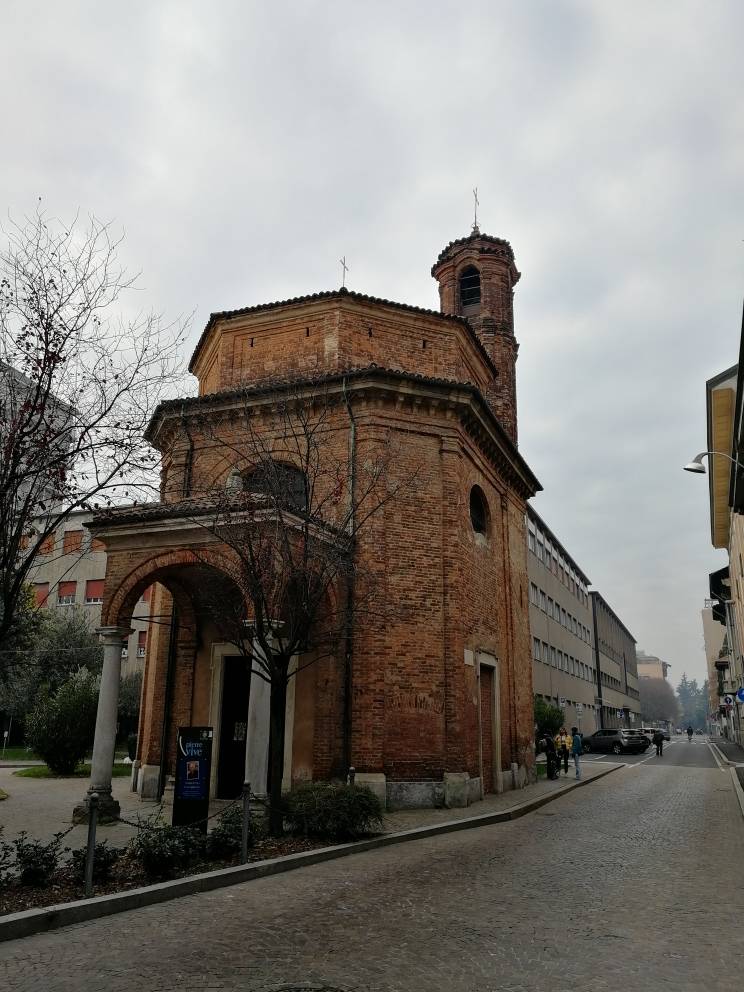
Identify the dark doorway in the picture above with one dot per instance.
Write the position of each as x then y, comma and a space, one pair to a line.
233, 727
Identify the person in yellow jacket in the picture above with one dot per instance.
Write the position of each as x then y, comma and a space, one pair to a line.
563, 745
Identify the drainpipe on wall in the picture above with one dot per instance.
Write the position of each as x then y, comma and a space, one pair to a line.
597, 664
348, 660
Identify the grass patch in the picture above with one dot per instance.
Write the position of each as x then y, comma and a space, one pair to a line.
3, 795
17, 754
41, 771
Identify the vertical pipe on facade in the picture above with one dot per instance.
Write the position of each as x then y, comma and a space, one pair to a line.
173, 636
596, 661
349, 652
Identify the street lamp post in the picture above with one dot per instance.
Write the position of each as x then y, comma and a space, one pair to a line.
696, 465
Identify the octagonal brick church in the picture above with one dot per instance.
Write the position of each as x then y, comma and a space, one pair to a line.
431, 701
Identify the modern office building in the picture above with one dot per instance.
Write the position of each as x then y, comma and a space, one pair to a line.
616, 667
651, 667
563, 666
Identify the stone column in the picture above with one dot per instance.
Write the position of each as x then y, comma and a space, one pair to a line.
114, 639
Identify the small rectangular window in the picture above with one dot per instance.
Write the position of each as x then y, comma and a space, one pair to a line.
94, 591
531, 542
66, 593
550, 606
41, 593
533, 593
553, 658
540, 550
536, 648
72, 541
47, 545
543, 602
141, 643
545, 653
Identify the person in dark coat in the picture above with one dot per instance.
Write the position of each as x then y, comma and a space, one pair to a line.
551, 755
658, 742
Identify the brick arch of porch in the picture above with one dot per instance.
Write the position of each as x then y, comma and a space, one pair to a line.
163, 703
163, 567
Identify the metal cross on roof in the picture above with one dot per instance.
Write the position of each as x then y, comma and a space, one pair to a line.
475, 208
344, 270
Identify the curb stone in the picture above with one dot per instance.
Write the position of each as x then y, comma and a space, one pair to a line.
31, 921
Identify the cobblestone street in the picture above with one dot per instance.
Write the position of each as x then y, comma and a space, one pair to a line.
610, 887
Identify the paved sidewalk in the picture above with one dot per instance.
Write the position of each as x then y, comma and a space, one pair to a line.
732, 751
44, 807
411, 818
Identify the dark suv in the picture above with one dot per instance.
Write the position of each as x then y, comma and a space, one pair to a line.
617, 741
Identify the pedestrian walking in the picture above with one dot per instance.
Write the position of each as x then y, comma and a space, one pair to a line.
563, 747
577, 747
658, 741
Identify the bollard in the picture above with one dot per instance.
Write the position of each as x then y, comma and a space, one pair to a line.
351, 776
246, 821
90, 853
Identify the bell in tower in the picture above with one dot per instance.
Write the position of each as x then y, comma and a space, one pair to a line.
476, 277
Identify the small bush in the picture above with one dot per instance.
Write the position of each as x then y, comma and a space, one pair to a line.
104, 860
163, 851
333, 811
226, 838
60, 728
7, 858
37, 861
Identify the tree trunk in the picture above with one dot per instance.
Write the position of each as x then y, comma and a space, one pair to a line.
278, 710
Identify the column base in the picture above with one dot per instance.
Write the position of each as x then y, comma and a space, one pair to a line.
109, 809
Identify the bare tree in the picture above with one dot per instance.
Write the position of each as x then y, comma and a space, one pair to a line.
291, 513
78, 384
658, 701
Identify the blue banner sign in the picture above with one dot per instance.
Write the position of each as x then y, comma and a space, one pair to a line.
193, 772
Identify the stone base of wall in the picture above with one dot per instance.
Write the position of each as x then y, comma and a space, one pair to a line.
147, 781
414, 795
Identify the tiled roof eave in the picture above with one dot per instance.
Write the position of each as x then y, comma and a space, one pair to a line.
333, 294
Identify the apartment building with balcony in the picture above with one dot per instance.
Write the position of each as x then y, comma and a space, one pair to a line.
561, 625
69, 573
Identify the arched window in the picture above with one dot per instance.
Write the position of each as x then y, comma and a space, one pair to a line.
470, 287
285, 485
478, 510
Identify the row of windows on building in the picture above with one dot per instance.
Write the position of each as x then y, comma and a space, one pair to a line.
561, 660
610, 681
606, 648
67, 593
556, 612
541, 546
588, 707
73, 542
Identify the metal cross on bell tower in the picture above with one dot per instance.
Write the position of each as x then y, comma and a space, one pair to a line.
476, 203
344, 270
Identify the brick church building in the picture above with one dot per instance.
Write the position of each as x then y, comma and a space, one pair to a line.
435, 705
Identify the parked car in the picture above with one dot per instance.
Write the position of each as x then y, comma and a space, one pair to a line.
617, 741
650, 731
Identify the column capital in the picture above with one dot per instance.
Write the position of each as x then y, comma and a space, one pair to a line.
110, 635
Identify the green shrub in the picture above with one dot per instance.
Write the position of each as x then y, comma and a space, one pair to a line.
104, 860
333, 811
7, 858
35, 860
163, 851
60, 728
549, 718
225, 840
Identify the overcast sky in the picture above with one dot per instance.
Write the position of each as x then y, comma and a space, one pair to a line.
244, 147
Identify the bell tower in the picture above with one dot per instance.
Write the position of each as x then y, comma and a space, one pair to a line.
476, 277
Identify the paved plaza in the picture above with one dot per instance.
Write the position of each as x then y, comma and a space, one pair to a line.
610, 887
